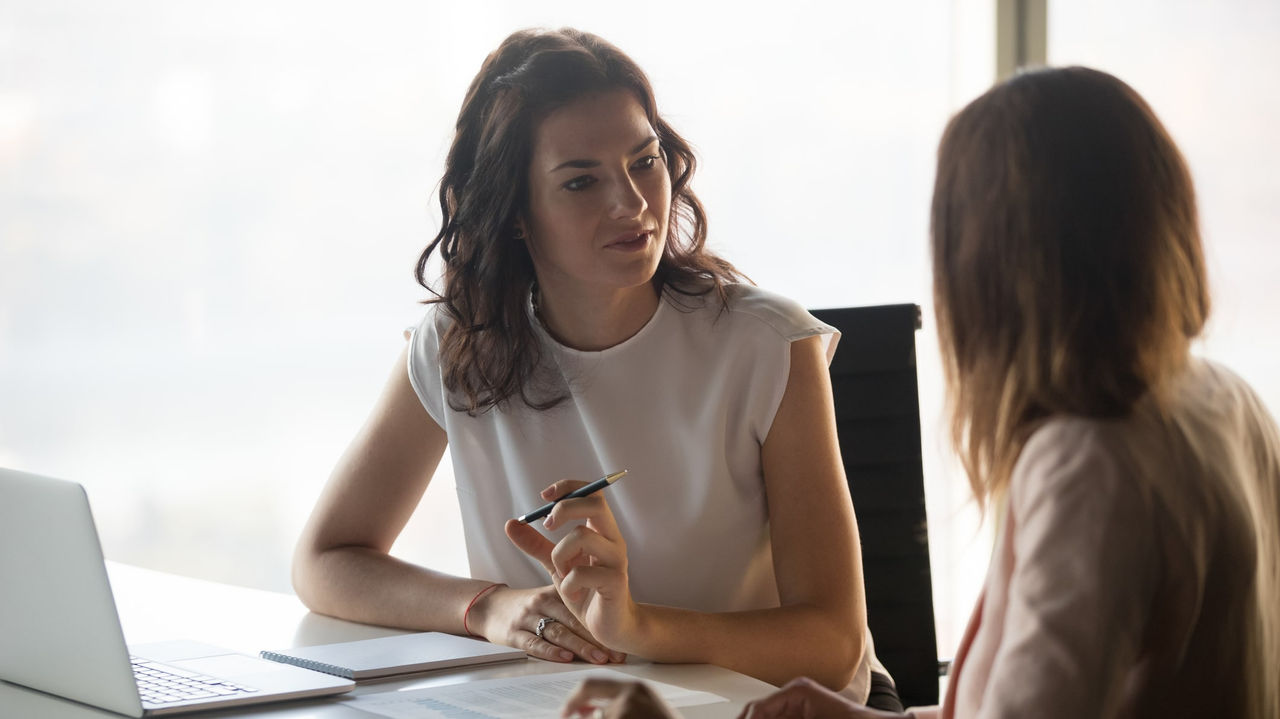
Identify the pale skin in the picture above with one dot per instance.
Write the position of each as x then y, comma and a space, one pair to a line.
344, 548
599, 199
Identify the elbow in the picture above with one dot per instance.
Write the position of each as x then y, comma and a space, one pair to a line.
303, 573
831, 657
836, 677
828, 674
845, 655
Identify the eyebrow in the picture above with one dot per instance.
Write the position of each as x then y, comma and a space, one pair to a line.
584, 164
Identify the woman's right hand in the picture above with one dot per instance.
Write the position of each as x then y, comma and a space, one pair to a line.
804, 698
510, 617
608, 699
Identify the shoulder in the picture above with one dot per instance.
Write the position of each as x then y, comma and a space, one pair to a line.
436, 318
748, 308
1180, 451
1063, 442
424, 349
1208, 385
424, 337
1069, 456
1062, 436
1222, 430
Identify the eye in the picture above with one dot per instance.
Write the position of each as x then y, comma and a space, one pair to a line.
579, 183
648, 162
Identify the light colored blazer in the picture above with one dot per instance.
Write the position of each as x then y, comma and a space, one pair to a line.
1136, 567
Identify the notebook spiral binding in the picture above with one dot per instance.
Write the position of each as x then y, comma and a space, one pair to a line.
309, 664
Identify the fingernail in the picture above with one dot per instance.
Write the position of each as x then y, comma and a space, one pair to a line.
566, 655
546, 493
599, 656
549, 522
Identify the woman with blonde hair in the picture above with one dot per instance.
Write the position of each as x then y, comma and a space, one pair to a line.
1136, 571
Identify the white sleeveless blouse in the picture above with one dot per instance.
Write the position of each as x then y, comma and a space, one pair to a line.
685, 405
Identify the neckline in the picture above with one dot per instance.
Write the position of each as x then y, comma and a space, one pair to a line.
564, 349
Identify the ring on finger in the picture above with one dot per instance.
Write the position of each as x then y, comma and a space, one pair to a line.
543, 623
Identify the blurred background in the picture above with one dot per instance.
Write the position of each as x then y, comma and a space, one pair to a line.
210, 214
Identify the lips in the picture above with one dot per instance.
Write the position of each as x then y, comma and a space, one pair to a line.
633, 240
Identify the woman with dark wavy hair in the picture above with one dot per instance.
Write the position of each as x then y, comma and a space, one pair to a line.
1136, 571
582, 327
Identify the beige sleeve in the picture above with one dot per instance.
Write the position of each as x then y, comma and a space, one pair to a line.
1082, 581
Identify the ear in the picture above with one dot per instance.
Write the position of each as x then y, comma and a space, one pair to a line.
520, 232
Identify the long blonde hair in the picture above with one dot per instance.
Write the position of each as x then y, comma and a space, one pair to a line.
1068, 275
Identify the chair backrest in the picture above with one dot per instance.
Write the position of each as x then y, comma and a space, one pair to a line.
877, 403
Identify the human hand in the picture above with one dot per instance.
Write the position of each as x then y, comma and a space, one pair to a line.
804, 698
510, 617
608, 699
588, 566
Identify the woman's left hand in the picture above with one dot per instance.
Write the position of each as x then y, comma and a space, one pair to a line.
608, 699
588, 566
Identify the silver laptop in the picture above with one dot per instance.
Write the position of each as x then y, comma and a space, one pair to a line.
60, 633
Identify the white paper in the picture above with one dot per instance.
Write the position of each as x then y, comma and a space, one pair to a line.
537, 696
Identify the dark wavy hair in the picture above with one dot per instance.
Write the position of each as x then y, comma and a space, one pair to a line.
1068, 272
490, 353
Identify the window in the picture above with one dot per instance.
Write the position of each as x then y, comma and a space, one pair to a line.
1206, 69
209, 215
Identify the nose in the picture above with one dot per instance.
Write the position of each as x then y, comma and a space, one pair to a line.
628, 200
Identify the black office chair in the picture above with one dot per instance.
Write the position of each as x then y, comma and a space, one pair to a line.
873, 378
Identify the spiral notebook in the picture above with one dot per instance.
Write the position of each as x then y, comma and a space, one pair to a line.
400, 654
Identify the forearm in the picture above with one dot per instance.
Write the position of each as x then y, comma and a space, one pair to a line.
364, 585
773, 645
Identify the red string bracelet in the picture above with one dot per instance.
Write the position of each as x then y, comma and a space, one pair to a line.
475, 599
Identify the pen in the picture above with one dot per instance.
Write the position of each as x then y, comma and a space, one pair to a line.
583, 491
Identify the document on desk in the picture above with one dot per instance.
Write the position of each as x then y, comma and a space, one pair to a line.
537, 696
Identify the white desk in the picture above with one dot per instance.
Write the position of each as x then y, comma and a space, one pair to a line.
155, 606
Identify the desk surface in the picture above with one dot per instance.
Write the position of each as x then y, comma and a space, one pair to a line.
155, 606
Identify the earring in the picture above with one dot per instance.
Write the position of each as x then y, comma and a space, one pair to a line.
518, 234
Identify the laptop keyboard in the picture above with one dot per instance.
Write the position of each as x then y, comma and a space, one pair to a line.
162, 684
